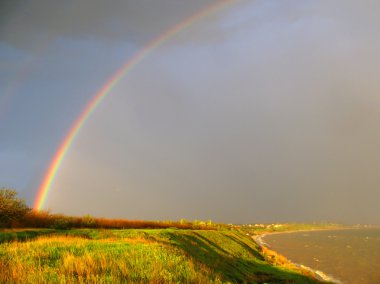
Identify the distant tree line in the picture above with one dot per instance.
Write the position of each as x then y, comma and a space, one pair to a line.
14, 213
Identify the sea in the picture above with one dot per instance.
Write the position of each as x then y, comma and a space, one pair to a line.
348, 256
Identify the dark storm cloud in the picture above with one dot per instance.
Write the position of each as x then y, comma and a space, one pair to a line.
26, 24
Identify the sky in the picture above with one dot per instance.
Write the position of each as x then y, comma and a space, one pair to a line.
264, 111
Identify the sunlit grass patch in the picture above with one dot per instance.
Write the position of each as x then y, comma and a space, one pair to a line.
73, 259
139, 256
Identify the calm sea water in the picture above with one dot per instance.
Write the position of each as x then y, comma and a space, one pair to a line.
352, 256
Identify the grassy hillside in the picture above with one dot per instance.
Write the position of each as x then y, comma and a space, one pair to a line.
136, 255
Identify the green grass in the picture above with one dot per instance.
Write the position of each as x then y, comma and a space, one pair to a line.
137, 256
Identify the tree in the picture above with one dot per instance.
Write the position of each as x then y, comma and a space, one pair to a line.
11, 207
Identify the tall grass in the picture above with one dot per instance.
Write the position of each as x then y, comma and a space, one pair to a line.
139, 256
73, 259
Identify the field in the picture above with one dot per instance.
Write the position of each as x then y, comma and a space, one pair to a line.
137, 255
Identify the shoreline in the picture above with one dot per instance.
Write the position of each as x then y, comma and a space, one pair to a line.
319, 275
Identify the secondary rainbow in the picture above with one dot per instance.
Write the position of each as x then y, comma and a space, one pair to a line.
59, 156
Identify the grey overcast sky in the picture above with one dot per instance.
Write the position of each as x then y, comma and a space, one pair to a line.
266, 111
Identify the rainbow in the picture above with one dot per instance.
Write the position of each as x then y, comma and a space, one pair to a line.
64, 147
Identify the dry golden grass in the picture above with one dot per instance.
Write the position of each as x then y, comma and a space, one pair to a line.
67, 259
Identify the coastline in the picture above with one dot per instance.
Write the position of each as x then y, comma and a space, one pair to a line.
319, 275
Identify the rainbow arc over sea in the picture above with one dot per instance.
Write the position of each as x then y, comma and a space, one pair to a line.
105, 90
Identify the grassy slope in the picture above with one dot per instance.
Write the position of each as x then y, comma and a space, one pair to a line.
156, 256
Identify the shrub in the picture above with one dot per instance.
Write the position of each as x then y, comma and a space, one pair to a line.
12, 209
61, 224
88, 221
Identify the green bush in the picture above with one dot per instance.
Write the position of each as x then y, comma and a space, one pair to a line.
12, 209
61, 224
